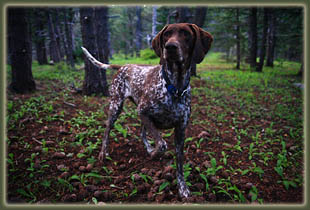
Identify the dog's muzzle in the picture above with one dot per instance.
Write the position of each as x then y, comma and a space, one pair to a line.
173, 52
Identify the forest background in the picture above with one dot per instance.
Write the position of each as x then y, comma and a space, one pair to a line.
245, 140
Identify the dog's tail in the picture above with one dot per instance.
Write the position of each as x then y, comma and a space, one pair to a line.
98, 63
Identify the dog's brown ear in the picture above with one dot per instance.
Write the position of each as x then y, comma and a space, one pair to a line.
202, 44
157, 44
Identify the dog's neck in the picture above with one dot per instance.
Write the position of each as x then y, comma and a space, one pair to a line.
177, 74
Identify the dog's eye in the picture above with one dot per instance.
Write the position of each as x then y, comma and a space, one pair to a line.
167, 33
186, 34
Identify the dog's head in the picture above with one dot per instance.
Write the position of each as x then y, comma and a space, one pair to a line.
182, 43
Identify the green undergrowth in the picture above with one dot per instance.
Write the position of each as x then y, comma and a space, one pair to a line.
254, 125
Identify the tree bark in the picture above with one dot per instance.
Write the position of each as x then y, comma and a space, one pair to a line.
130, 25
59, 33
95, 79
271, 38
68, 16
182, 15
238, 39
102, 18
53, 46
259, 67
199, 18
252, 37
39, 39
21, 54
154, 22
138, 31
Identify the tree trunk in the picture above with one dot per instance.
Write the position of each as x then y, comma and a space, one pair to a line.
39, 39
182, 15
238, 39
130, 26
253, 37
21, 54
259, 67
95, 79
271, 38
138, 31
101, 14
170, 15
200, 16
75, 13
53, 46
154, 22
63, 36
199, 19
68, 16
58, 32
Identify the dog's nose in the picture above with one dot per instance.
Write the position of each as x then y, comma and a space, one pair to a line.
171, 46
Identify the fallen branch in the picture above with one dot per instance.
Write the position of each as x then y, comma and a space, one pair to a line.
114, 186
34, 139
69, 104
25, 120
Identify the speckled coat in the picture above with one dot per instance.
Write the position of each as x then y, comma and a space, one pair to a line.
178, 46
146, 87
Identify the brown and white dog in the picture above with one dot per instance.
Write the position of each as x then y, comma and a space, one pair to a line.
161, 93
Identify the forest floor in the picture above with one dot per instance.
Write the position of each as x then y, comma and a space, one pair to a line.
244, 143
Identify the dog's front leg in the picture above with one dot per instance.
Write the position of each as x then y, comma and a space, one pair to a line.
179, 135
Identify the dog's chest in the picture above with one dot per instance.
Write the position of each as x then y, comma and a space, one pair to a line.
165, 110
168, 113
146, 86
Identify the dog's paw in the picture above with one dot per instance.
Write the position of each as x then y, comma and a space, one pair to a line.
162, 146
159, 149
150, 149
102, 155
184, 192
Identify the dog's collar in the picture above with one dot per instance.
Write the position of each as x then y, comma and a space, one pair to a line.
171, 88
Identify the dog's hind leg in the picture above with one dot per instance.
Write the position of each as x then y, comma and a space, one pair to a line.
116, 105
148, 146
160, 144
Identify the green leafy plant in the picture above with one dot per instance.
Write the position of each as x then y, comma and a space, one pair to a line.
251, 150
163, 186
64, 183
10, 161
239, 196
257, 169
133, 192
198, 143
81, 178
214, 168
120, 129
27, 193
31, 167
205, 180
145, 177
224, 159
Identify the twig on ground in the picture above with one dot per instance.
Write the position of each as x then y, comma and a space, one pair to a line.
69, 104
34, 139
